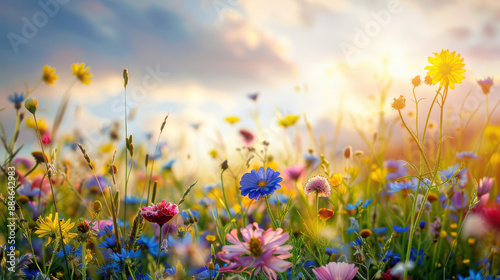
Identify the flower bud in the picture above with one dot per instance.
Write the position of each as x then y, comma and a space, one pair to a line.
31, 104
125, 77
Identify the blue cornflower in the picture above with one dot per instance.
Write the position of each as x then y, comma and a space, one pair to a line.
422, 224
368, 202
395, 169
256, 184
390, 254
206, 201
400, 229
209, 187
352, 207
69, 252
354, 227
168, 166
120, 223
455, 175
190, 216
16, 100
379, 231
417, 256
149, 244
333, 251
312, 161
484, 263
94, 185
30, 274
409, 185
472, 276
134, 199
283, 199
108, 243
357, 242
125, 254
25, 189
467, 155
109, 268
205, 273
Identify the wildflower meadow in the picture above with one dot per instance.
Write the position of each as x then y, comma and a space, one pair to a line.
412, 192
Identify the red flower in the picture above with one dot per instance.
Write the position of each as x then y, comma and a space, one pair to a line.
491, 215
160, 213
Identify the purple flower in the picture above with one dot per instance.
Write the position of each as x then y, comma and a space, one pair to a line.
256, 184
395, 169
485, 84
336, 270
485, 185
467, 155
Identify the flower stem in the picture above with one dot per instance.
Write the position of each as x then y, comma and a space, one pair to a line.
317, 211
126, 165
270, 212
84, 260
52, 189
159, 248
224, 194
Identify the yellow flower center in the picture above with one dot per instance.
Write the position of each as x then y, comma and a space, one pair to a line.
261, 184
254, 246
445, 69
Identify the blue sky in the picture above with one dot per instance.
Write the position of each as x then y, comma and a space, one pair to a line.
211, 54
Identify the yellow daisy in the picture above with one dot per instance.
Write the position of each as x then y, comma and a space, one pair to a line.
49, 227
232, 119
42, 125
288, 120
49, 76
446, 68
82, 73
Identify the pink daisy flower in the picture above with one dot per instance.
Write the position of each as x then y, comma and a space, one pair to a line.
336, 270
260, 250
160, 213
318, 184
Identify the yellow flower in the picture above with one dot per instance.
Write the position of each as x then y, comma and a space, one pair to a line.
106, 148
42, 125
288, 120
82, 73
336, 180
49, 76
49, 227
88, 256
378, 174
446, 68
492, 132
232, 119
213, 153
210, 238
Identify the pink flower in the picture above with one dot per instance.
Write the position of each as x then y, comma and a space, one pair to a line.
294, 172
46, 138
260, 250
318, 184
337, 271
485, 84
160, 213
247, 136
485, 185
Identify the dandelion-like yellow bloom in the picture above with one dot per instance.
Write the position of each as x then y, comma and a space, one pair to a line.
232, 119
446, 68
49, 76
42, 125
82, 73
288, 120
49, 227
